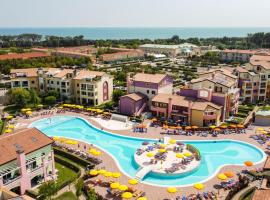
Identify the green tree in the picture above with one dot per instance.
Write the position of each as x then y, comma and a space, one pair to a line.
116, 95
34, 98
47, 190
50, 100
19, 96
91, 195
79, 187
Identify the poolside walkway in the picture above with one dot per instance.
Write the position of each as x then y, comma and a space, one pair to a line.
241, 192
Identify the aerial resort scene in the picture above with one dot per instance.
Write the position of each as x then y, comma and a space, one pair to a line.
139, 100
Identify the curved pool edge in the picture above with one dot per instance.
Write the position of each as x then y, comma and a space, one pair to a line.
264, 156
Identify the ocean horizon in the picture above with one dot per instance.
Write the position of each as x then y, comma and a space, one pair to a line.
96, 33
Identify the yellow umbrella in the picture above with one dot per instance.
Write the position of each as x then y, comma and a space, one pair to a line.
188, 127
29, 113
123, 187
96, 153
240, 126
194, 127
116, 175
162, 145
264, 132
127, 195
150, 154
8, 131
56, 138
114, 185
260, 129
162, 150
142, 198
171, 190
102, 171
179, 155
23, 109
213, 126
198, 186
172, 141
9, 117
222, 177
11, 126
93, 172
223, 126
133, 181
187, 154
107, 174
40, 105
92, 150
233, 126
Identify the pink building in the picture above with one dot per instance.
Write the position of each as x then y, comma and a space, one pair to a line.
26, 160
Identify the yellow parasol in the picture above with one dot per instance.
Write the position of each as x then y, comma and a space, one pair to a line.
240, 126
114, 185
179, 155
150, 154
213, 126
93, 172
194, 127
8, 131
142, 198
222, 177
223, 126
187, 154
9, 117
108, 174
133, 181
188, 128
102, 171
198, 186
172, 141
127, 195
171, 190
123, 187
162, 150
260, 129
263, 132
116, 175
11, 126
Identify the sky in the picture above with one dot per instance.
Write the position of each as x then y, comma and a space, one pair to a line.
134, 13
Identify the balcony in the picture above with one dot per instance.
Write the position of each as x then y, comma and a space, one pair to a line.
12, 182
158, 109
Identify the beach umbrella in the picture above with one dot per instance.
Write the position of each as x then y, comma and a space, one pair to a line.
213, 126
198, 186
240, 126
171, 190
162, 150
260, 129
165, 127
39, 105
116, 175
8, 131
188, 128
222, 176
194, 127
142, 198
133, 181
11, 126
264, 132
178, 127
233, 126
92, 150
56, 138
154, 119
127, 195
23, 109
229, 174
93, 172
102, 171
187, 154
162, 145
108, 174
217, 129
179, 155
248, 163
96, 153
114, 185
28, 112
9, 117
172, 141
223, 126
123, 187
150, 154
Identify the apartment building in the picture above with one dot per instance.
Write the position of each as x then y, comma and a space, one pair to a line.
83, 86
254, 79
141, 88
231, 55
218, 86
122, 54
23, 56
26, 160
189, 111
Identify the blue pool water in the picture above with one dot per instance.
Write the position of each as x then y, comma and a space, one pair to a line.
215, 154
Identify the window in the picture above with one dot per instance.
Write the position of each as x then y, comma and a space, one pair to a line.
57, 82
147, 91
83, 93
254, 84
153, 92
78, 92
78, 85
33, 82
51, 82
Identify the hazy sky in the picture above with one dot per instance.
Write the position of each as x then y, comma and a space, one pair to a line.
136, 13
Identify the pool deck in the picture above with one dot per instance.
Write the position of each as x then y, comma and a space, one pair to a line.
151, 191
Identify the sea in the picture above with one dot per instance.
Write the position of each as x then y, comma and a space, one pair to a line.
139, 32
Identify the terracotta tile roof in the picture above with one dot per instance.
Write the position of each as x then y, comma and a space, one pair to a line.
87, 74
177, 100
29, 72
28, 140
149, 78
261, 195
240, 51
23, 55
135, 96
261, 60
122, 55
241, 70
63, 72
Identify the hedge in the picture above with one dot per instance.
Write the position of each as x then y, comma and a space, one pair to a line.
195, 151
74, 158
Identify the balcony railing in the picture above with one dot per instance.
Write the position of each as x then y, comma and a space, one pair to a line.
209, 116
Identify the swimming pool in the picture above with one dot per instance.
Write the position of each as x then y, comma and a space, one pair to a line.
215, 154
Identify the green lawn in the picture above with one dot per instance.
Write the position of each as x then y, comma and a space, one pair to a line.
265, 108
66, 196
64, 174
